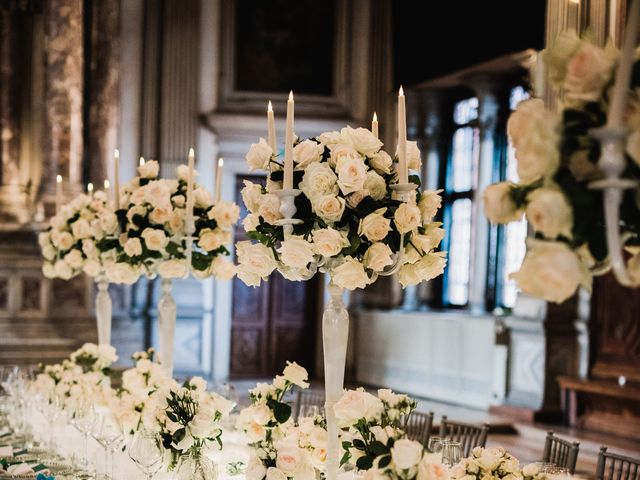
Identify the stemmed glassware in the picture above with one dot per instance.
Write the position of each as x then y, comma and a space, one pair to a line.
146, 451
451, 452
435, 444
83, 420
109, 436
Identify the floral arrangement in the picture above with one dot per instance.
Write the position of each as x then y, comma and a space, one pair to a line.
532, 472
370, 426
407, 460
350, 223
189, 417
280, 448
152, 219
557, 160
73, 242
488, 463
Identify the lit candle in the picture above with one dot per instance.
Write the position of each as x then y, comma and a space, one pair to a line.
271, 127
116, 178
403, 173
189, 212
288, 146
219, 179
58, 193
374, 125
623, 75
90, 189
141, 161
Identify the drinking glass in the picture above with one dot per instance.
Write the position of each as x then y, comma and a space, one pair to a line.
311, 411
83, 420
435, 444
109, 436
146, 451
556, 473
451, 452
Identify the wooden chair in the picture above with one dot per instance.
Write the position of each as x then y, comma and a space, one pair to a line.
308, 397
470, 435
418, 427
620, 467
560, 452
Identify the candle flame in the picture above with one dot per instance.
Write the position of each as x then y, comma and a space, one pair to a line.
269, 107
375, 117
401, 91
291, 95
220, 162
107, 184
116, 153
191, 153
141, 161
90, 187
58, 178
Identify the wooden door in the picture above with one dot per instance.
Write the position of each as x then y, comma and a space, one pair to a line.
272, 323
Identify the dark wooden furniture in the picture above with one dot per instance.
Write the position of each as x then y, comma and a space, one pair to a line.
470, 435
560, 452
613, 466
418, 427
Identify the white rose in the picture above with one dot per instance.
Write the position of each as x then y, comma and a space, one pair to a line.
255, 258
557, 55
375, 226
352, 173
376, 185
362, 140
137, 197
81, 229
430, 239
179, 201
44, 239
251, 222
251, 195
589, 70
225, 214
319, 179
414, 161
155, 239
330, 138
48, 252
381, 162
58, 222
377, 257
329, 242
270, 208
533, 131
89, 249
296, 252
255, 469
329, 207
274, 473
350, 274
530, 470
354, 199
490, 458
498, 205
176, 222
62, 270
150, 169
406, 454
61, 240
212, 239
202, 197
306, 153
201, 425
296, 374
551, 271
407, 217
133, 247
427, 268
182, 173
355, 405
92, 268
341, 150
108, 222
432, 471
74, 259
161, 214
549, 213
259, 155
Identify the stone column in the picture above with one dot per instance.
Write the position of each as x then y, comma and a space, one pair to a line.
63, 71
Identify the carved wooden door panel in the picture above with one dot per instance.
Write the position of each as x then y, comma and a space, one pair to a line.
271, 323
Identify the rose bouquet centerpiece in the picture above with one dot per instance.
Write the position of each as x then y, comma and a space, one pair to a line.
189, 418
280, 448
488, 463
557, 162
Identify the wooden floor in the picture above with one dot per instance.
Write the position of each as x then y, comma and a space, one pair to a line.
524, 441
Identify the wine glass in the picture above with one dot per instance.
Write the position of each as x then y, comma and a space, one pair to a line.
146, 451
451, 452
83, 420
109, 436
309, 411
435, 444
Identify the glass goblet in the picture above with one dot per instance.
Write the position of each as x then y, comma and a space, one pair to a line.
146, 451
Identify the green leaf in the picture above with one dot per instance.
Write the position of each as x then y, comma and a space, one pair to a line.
359, 444
384, 461
200, 261
345, 458
281, 411
378, 448
179, 435
364, 463
415, 179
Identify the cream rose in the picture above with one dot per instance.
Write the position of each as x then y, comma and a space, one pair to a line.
375, 185
306, 153
428, 267
225, 214
329, 207
255, 258
259, 155
182, 173
319, 179
48, 252
350, 274
381, 162
406, 453
355, 405
498, 204
274, 473
202, 197
549, 213
377, 257
222, 268
133, 247
331, 138
251, 222
270, 208
432, 471
296, 374
407, 217
329, 242
255, 469
296, 252
155, 239
352, 173
61, 240
589, 70
161, 214
121, 273
251, 195
430, 202
361, 140
74, 259
375, 226
176, 222
108, 222
157, 192
150, 169
430, 239
212, 239
81, 229
341, 150
172, 269
414, 160
354, 199
92, 268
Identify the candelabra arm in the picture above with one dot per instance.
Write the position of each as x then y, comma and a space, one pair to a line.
189, 230
288, 209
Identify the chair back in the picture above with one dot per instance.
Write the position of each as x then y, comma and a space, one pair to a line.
613, 466
560, 452
418, 427
308, 397
470, 435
